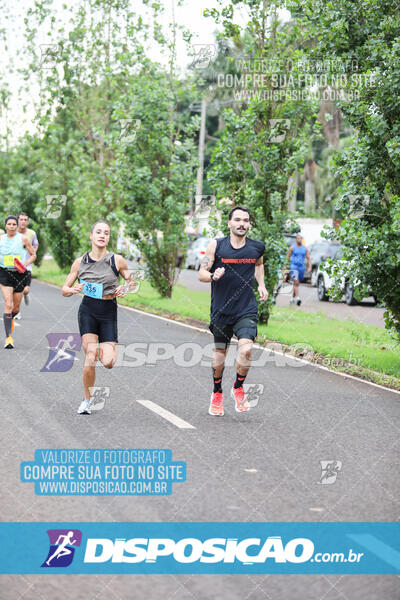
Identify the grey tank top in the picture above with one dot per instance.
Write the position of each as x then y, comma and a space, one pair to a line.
99, 271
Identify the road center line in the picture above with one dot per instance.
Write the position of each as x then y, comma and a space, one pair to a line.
165, 414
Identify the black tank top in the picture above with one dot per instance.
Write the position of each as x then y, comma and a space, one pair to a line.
232, 296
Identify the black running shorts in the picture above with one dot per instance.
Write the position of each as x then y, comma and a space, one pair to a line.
14, 279
99, 317
28, 278
245, 327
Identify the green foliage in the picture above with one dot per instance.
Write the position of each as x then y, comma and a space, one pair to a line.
153, 172
368, 34
267, 141
93, 81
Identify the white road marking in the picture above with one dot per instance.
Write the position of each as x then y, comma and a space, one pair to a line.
289, 356
165, 414
201, 330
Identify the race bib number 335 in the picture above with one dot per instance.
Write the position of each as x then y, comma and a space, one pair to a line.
94, 290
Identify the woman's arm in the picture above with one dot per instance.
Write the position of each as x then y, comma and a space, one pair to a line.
69, 288
131, 283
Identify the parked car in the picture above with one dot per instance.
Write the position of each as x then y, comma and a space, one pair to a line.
128, 249
319, 251
196, 252
324, 283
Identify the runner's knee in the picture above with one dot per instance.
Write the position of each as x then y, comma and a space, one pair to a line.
91, 357
244, 354
108, 363
219, 357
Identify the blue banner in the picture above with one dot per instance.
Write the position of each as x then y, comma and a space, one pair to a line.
195, 548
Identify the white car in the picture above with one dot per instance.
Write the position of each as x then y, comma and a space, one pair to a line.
195, 253
324, 283
128, 249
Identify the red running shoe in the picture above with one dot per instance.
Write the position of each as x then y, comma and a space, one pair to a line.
216, 405
240, 399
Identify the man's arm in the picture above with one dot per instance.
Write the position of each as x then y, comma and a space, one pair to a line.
259, 274
207, 262
26, 243
309, 260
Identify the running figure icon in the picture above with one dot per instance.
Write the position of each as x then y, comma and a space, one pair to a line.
63, 345
62, 549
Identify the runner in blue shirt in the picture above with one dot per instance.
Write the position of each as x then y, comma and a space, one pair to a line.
297, 253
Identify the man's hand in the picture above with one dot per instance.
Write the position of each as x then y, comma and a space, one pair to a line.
218, 273
262, 290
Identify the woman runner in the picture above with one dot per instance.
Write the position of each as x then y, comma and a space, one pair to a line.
98, 273
13, 245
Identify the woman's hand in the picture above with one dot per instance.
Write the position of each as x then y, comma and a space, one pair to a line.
77, 288
121, 290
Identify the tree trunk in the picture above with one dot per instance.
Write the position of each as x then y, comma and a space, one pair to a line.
309, 192
291, 192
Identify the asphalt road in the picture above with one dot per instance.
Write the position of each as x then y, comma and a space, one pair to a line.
261, 466
365, 312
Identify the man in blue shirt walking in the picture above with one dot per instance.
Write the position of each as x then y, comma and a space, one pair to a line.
297, 253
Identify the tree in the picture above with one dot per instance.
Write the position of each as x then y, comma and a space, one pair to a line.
81, 75
267, 141
364, 37
154, 171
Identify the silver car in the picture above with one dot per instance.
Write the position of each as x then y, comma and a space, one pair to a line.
196, 252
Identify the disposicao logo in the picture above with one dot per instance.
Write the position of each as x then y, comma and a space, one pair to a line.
62, 547
190, 550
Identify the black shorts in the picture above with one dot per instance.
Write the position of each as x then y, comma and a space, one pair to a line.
244, 327
28, 278
13, 279
99, 317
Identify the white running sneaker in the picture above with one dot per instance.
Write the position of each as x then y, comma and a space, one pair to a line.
84, 407
292, 300
17, 316
298, 301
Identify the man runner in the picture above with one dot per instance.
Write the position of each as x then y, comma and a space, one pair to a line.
98, 273
297, 253
23, 222
13, 245
231, 263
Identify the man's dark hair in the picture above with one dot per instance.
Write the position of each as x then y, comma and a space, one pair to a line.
10, 217
22, 214
238, 208
100, 221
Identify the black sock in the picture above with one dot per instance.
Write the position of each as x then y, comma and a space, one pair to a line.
217, 382
13, 314
239, 380
7, 317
